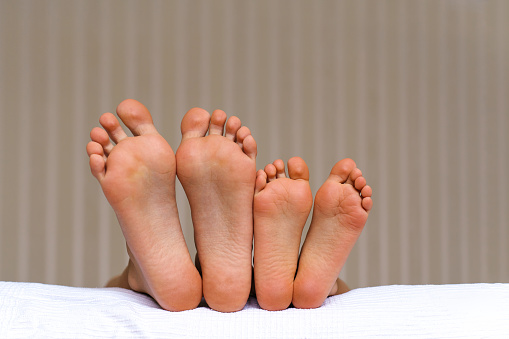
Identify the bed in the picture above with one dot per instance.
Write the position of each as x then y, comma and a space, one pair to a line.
422, 311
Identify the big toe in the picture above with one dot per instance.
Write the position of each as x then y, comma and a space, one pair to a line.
195, 123
297, 169
136, 117
342, 169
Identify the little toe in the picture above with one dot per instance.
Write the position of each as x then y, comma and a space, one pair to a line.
367, 204
261, 181
249, 147
95, 148
280, 168
112, 127
242, 133
97, 166
271, 171
342, 169
246, 141
195, 123
136, 117
298, 169
232, 126
217, 122
101, 137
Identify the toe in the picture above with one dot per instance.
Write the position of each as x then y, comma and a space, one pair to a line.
366, 191
342, 169
195, 123
249, 147
261, 181
367, 204
101, 137
355, 174
95, 148
217, 122
97, 166
112, 126
232, 126
360, 182
246, 141
271, 171
280, 168
297, 169
242, 133
136, 117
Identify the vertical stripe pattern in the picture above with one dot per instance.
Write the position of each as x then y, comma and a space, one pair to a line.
79, 96
502, 108
52, 171
415, 92
25, 90
403, 158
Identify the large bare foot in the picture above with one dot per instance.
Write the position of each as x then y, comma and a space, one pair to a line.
137, 176
341, 209
281, 208
218, 175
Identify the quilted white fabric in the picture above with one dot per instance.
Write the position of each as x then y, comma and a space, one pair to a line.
428, 311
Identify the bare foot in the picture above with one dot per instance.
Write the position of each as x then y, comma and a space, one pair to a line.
341, 209
138, 179
218, 175
281, 208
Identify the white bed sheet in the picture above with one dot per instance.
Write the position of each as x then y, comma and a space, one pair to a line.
427, 311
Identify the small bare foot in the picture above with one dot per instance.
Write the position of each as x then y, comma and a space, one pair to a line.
137, 176
281, 208
218, 174
341, 209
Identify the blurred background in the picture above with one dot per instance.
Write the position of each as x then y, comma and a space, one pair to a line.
416, 92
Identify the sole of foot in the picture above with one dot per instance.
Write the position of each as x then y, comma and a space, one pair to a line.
341, 209
281, 208
218, 172
137, 176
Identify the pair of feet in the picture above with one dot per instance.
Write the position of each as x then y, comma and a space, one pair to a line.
218, 173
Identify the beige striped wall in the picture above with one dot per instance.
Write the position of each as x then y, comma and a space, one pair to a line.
415, 91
